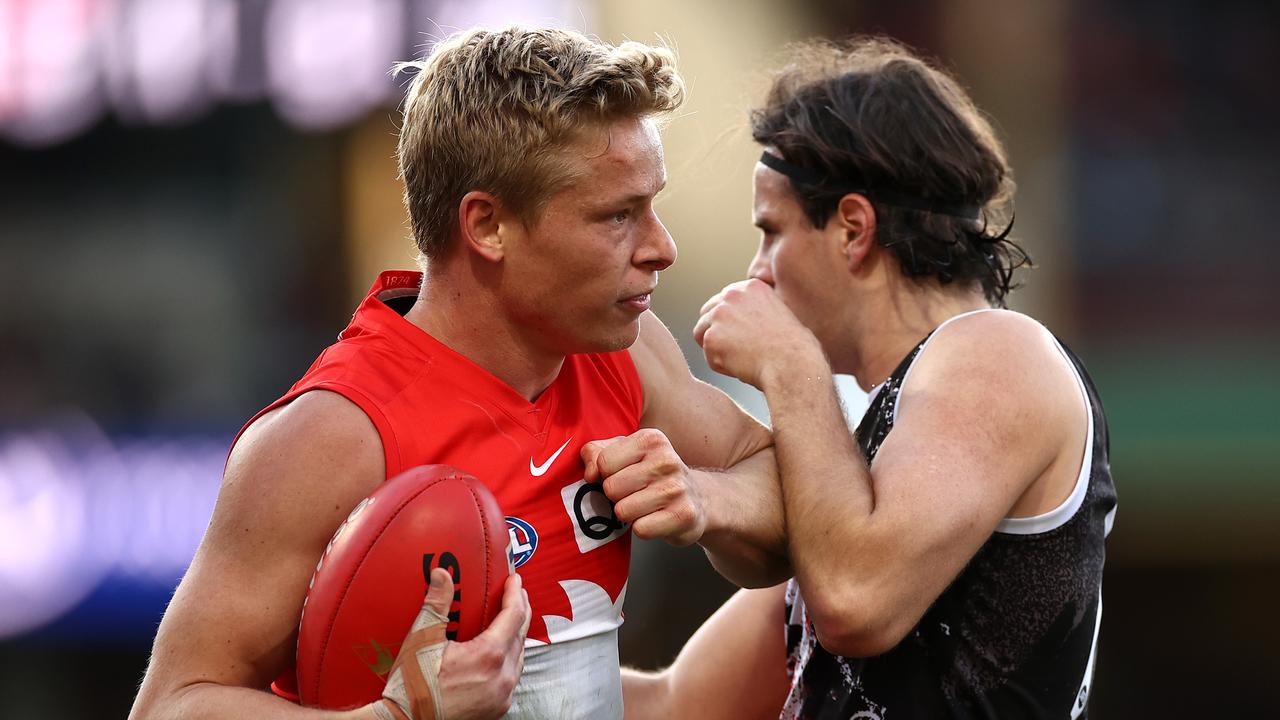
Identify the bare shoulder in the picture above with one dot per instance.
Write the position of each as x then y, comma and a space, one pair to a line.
298, 470
319, 431
1000, 347
291, 479
1005, 364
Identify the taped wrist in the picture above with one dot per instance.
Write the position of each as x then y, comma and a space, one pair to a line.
413, 687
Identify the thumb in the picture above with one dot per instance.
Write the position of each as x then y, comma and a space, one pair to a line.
439, 597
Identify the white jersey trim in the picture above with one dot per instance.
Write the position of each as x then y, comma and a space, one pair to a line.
1082, 695
1058, 516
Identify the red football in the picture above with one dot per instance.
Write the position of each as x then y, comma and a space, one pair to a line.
370, 583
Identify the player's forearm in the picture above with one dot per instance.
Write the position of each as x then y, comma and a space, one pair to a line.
745, 537
827, 497
208, 701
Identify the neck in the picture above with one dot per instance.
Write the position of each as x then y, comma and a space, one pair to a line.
457, 310
883, 328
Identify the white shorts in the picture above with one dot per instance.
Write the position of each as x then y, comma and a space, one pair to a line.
574, 679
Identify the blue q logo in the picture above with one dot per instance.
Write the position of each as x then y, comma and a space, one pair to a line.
524, 540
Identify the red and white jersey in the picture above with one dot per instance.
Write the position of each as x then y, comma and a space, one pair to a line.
432, 405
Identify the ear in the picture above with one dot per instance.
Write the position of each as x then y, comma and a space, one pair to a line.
484, 224
856, 220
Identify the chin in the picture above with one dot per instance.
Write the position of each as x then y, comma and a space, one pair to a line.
611, 340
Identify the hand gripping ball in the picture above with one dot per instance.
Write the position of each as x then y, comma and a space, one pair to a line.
370, 583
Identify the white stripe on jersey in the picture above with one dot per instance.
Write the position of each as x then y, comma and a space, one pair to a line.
1082, 695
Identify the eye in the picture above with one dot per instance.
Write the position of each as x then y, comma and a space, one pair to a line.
620, 217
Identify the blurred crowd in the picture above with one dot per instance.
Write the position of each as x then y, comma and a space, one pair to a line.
191, 192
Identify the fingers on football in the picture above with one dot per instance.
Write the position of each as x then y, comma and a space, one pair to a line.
511, 624
439, 598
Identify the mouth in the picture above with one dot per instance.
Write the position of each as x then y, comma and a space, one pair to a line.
638, 303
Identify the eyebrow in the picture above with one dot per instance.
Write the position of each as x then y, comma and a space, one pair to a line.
635, 198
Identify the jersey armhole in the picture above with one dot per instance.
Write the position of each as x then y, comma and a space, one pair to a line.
1058, 516
1067, 509
390, 448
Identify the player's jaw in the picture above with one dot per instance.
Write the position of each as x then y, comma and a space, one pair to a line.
593, 322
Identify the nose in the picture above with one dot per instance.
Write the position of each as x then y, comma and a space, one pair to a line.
761, 267
658, 249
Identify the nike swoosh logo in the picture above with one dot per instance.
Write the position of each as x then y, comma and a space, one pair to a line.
540, 470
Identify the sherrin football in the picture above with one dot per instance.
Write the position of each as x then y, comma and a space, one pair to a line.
372, 578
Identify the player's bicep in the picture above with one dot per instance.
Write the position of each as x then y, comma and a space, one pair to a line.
705, 426
933, 477
289, 482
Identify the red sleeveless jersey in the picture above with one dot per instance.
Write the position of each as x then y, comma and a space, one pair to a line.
432, 405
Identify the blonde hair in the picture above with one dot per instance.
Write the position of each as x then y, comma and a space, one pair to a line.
493, 111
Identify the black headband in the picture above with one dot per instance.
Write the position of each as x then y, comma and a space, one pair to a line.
888, 197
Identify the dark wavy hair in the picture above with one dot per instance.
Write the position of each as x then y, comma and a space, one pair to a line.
871, 112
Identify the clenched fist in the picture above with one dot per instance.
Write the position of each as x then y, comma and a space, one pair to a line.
747, 332
650, 486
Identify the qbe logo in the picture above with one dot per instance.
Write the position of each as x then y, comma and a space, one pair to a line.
524, 541
594, 522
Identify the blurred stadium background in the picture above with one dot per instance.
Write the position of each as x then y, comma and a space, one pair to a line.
194, 193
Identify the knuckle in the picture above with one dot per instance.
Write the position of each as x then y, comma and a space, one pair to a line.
490, 658
668, 463
653, 438
493, 664
670, 490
